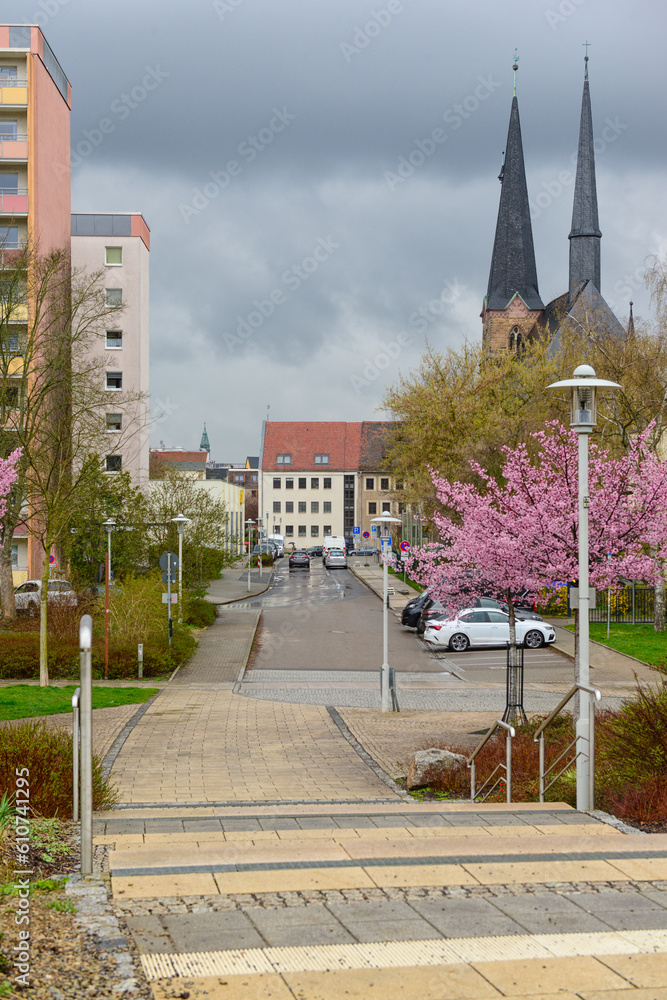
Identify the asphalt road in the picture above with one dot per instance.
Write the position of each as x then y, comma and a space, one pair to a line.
327, 620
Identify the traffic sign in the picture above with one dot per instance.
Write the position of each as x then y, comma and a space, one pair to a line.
366, 534
374, 529
405, 546
169, 578
174, 598
356, 530
168, 561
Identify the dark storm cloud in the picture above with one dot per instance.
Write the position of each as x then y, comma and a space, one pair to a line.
251, 133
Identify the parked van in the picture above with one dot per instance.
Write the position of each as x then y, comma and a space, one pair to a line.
332, 542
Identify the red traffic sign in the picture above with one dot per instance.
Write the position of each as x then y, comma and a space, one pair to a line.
405, 546
366, 534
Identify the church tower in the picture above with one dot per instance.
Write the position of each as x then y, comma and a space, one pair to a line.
585, 234
512, 304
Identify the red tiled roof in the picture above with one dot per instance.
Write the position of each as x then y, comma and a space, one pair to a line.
304, 439
180, 456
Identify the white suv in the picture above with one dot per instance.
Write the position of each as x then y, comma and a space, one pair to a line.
28, 595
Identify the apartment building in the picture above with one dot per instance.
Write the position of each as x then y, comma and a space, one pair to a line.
118, 243
323, 478
35, 102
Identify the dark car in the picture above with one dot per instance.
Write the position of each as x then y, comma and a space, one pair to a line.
521, 609
314, 550
91, 594
432, 610
412, 611
299, 559
267, 549
364, 550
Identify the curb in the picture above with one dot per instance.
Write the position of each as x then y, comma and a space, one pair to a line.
246, 596
369, 586
117, 745
600, 645
366, 757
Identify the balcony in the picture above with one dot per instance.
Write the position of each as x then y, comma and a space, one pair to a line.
16, 313
12, 254
13, 147
13, 93
13, 201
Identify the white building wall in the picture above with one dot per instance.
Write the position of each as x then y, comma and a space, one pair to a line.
308, 526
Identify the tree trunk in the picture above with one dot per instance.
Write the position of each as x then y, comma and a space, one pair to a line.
43, 621
659, 599
7, 579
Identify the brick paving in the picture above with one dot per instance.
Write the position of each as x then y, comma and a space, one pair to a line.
223, 649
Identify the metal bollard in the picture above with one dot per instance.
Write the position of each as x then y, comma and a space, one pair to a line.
140, 660
85, 645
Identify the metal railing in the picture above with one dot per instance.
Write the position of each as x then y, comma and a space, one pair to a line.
76, 739
13, 139
539, 737
506, 767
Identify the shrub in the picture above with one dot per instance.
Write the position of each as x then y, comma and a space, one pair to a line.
199, 612
640, 803
47, 753
632, 743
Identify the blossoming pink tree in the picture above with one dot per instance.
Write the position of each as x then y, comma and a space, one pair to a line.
521, 531
8, 476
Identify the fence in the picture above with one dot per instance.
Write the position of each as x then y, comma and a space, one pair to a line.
625, 604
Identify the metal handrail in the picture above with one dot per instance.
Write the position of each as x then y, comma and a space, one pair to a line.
539, 737
76, 701
507, 766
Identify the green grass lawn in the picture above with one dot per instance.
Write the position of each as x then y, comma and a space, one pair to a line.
635, 640
20, 701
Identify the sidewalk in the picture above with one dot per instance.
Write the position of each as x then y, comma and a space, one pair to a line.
233, 584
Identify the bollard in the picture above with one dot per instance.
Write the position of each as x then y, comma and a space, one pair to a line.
140, 660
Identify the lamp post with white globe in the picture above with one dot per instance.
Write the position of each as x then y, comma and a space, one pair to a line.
385, 521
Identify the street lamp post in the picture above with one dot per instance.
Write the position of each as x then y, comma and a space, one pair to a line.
108, 525
86, 769
385, 521
583, 418
180, 521
250, 523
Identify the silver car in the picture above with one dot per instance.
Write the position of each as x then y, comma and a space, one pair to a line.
335, 559
28, 595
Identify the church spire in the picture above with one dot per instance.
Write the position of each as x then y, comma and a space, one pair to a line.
585, 233
204, 443
513, 267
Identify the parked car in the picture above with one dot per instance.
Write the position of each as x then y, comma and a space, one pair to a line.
412, 611
299, 559
431, 610
279, 542
364, 551
335, 559
314, 550
521, 610
28, 595
474, 627
91, 594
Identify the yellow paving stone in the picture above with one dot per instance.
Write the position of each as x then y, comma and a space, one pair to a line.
261, 987
578, 829
641, 869
463, 832
539, 975
513, 831
176, 837
144, 886
646, 971
293, 880
379, 833
418, 875
499, 873
119, 839
452, 982
318, 834
251, 836
229, 854
628, 994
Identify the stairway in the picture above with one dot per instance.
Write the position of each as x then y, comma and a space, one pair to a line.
418, 901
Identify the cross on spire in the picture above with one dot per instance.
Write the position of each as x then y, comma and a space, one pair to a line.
586, 44
515, 66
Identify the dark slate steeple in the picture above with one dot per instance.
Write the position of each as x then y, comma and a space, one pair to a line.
513, 267
585, 233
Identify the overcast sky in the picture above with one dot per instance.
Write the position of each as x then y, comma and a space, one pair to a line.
301, 214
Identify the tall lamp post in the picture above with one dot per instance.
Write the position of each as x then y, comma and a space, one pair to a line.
180, 521
249, 523
583, 418
108, 525
385, 521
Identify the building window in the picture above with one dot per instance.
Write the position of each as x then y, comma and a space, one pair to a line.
239, 477
254, 477
289, 507
315, 484
15, 556
114, 463
302, 507
113, 297
289, 530
326, 483
314, 531
302, 483
114, 421
321, 460
114, 381
283, 459
370, 484
9, 183
9, 237
276, 482
302, 531
114, 339
113, 255
326, 507
384, 484
314, 507
276, 506
9, 397
327, 529
386, 507
9, 128
289, 483
372, 508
